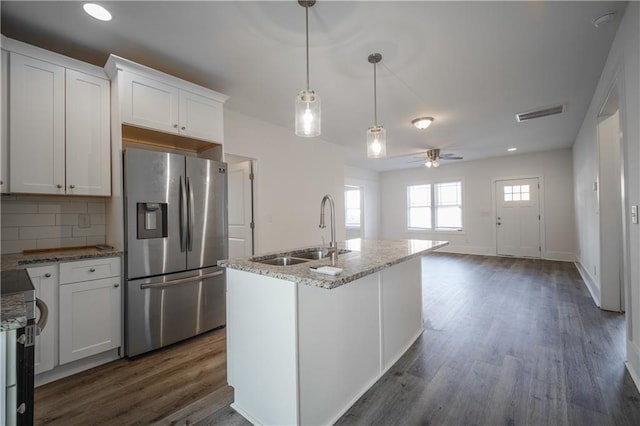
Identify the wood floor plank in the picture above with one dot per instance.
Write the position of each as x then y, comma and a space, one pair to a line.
506, 341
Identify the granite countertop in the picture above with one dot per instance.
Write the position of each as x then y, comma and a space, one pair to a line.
13, 312
21, 260
366, 257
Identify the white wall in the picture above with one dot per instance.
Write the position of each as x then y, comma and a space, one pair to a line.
292, 176
369, 181
623, 67
478, 237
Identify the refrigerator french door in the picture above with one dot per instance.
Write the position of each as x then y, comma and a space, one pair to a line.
176, 225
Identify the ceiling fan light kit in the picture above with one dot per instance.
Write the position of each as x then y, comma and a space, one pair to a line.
376, 135
307, 107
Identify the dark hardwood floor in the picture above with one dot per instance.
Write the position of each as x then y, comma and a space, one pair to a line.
506, 341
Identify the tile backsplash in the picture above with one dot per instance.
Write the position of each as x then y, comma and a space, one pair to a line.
40, 222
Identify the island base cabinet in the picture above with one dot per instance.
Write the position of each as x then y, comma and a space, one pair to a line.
401, 309
299, 354
339, 347
261, 347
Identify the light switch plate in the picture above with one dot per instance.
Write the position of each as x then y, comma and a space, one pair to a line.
634, 214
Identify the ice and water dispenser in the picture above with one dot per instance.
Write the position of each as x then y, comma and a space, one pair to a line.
152, 220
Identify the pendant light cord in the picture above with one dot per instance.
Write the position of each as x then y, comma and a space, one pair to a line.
306, 9
375, 98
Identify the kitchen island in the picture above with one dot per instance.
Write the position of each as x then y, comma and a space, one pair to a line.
302, 347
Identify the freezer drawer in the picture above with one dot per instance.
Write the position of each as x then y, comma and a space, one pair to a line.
166, 309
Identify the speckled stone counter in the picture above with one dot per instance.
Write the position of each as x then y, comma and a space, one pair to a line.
365, 257
20, 260
12, 313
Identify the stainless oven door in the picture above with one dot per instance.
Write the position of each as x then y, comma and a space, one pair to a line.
166, 309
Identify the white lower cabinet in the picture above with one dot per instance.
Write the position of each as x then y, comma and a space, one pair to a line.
90, 310
45, 281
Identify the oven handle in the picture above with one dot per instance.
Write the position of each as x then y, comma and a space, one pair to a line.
181, 281
44, 316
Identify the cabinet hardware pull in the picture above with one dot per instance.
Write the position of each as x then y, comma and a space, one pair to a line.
72, 186
47, 275
183, 128
175, 126
116, 285
1, 182
92, 270
58, 186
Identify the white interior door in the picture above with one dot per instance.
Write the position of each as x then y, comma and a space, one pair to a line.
240, 209
518, 217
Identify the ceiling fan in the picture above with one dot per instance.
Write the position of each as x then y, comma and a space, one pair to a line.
433, 158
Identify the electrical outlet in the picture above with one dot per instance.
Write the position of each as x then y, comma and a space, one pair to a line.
84, 221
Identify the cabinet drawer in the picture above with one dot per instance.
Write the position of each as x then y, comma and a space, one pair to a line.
92, 269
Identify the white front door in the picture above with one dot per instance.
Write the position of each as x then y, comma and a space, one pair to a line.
240, 201
518, 217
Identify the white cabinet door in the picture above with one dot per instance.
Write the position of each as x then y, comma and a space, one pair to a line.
89, 318
88, 152
45, 280
4, 152
36, 126
149, 103
200, 117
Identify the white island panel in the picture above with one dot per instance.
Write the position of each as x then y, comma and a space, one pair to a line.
401, 298
339, 347
261, 345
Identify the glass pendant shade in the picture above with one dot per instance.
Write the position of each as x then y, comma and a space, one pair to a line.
308, 114
376, 142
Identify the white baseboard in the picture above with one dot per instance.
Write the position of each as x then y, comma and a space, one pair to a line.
633, 362
491, 251
561, 256
590, 283
482, 251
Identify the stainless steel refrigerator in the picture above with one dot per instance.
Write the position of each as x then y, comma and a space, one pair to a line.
176, 227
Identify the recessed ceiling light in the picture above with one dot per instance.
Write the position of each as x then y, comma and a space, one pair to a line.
97, 11
422, 122
604, 19
512, 149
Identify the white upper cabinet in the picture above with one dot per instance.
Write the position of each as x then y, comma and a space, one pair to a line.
153, 100
200, 117
149, 103
59, 124
88, 153
36, 126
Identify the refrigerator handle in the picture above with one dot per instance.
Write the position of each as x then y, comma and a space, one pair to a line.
183, 216
192, 216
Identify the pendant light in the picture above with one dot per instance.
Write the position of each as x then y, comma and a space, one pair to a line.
308, 112
376, 135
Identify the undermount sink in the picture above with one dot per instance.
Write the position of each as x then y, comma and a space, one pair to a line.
282, 261
315, 254
297, 257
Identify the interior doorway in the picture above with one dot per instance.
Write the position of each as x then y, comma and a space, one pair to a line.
240, 176
518, 217
611, 210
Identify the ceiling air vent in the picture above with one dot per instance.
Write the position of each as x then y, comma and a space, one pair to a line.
544, 112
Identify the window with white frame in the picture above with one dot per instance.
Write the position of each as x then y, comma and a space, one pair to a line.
353, 206
435, 206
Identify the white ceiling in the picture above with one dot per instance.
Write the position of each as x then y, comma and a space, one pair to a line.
471, 65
